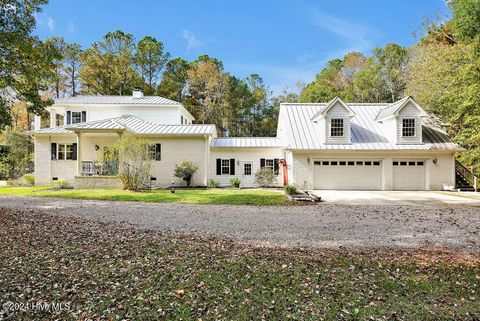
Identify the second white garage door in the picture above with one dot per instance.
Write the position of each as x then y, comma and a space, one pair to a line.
347, 174
408, 175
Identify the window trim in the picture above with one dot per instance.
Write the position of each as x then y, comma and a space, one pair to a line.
272, 167
73, 117
152, 151
412, 127
337, 127
65, 152
222, 166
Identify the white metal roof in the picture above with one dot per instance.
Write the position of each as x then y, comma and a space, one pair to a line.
115, 100
250, 142
366, 133
132, 124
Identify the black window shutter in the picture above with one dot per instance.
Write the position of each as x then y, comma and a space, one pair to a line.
275, 166
262, 162
232, 166
74, 154
219, 166
158, 150
54, 151
84, 116
69, 117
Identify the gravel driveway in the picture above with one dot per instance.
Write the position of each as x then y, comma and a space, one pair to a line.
322, 225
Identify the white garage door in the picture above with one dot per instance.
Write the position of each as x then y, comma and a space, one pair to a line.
408, 175
347, 174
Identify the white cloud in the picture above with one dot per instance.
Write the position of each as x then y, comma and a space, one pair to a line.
192, 40
50, 24
70, 27
358, 36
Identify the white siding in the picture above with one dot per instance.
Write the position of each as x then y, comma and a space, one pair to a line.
435, 174
340, 112
409, 111
242, 155
42, 161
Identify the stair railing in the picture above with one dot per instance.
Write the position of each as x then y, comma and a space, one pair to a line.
467, 174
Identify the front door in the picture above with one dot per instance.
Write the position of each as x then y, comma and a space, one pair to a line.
247, 174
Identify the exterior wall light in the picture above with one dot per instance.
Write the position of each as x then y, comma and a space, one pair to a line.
308, 160
435, 161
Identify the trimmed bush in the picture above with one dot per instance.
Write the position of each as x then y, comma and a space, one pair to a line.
235, 182
61, 184
264, 177
290, 189
213, 183
30, 179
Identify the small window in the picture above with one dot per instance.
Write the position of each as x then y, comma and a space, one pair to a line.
316, 163
247, 169
226, 166
359, 163
76, 117
54, 178
269, 164
368, 163
411, 163
325, 163
343, 163
333, 163
403, 163
181, 119
351, 163
395, 163
153, 178
154, 151
419, 163
65, 152
336, 127
376, 163
408, 127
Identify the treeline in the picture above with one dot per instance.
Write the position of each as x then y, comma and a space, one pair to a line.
117, 64
441, 71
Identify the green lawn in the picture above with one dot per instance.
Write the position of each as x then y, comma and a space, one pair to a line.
206, 196
107, 271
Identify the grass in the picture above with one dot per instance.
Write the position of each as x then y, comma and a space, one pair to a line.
110, 271
204, 196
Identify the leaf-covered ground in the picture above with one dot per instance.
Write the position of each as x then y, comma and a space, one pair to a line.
113, 271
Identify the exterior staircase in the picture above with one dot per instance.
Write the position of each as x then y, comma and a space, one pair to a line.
465, 180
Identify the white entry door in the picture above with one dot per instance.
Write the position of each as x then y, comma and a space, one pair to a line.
408, 175
347, 174
247, 179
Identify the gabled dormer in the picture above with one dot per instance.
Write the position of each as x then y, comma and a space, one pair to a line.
334, 122
402, 121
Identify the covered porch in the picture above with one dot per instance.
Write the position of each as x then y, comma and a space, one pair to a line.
96, 168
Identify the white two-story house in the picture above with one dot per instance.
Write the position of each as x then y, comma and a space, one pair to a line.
334, 145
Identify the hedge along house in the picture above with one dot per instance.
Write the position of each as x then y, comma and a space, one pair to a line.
335, 145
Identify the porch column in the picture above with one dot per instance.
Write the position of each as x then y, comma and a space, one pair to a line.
79, 153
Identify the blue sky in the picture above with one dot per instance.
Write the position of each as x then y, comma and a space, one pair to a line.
283, 41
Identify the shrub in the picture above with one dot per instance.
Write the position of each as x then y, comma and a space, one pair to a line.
185, 171
264, 177
136, 162
62, 184
290, 189
235, 182
213, 183
29, 178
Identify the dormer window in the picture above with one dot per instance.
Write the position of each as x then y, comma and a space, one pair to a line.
408, 127
76, 117
336, 127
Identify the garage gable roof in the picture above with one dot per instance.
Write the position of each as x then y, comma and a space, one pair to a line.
301, 133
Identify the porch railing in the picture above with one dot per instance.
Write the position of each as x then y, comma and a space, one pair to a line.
94, 168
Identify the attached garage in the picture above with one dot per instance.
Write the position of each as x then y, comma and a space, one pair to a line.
345, 174
408, 175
